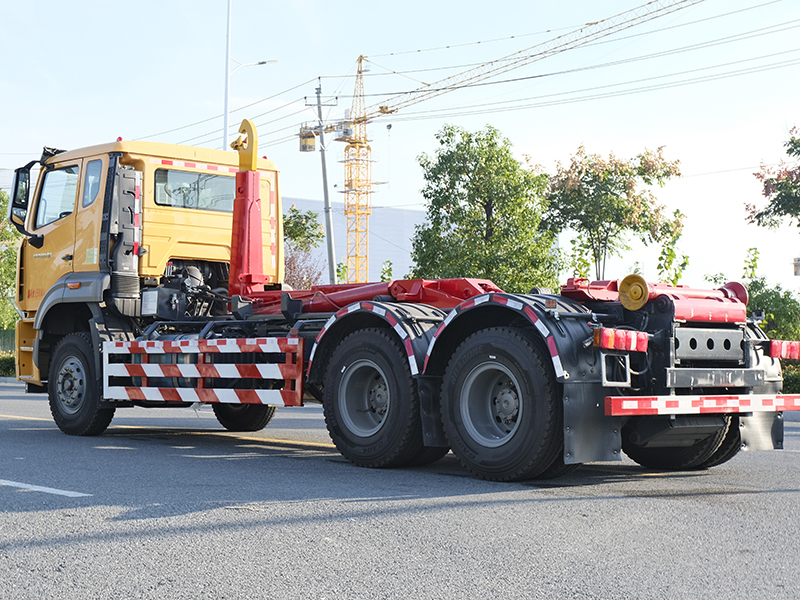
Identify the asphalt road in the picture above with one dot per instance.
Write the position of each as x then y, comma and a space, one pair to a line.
168, 505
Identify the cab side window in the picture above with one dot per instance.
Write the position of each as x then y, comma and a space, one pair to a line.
57, 200
91, 184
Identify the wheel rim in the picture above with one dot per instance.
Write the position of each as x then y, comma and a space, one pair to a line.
364, 398
71, 385
491, 404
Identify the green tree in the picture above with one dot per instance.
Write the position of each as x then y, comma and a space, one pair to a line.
483, 214
671, 265
386, 271
302, 230
604, 200
9, 243
302, 233
781, 188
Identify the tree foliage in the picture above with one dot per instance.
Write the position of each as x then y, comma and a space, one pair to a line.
302, 233
9, 243
671, 265
781, 188
483, 214
302, 230
605, 199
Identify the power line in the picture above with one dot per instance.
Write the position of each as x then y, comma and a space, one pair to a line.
699, 46
589, 45
416, 117
610, 85
503, 39
220, 115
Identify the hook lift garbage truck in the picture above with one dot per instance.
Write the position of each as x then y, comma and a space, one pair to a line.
150, 275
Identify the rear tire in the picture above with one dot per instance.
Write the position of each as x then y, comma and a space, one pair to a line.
728, 449
243, 417
501, 408
370, 402
675, 458
558, 468
74, 389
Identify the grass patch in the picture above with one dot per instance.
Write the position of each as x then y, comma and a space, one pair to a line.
7, 364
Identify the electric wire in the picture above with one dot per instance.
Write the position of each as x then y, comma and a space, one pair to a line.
484, 42
456, 112
483, 108
702, 45
469, 65
692, 47
221, 115
610, 85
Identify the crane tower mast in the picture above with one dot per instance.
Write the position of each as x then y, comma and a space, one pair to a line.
358, 187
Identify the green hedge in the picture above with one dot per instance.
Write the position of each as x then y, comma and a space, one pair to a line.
7, 364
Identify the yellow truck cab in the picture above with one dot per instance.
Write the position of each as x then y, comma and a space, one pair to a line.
111, 229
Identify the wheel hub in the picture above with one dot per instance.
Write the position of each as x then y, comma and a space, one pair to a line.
71, 385
506, 403
364, 398
491, 405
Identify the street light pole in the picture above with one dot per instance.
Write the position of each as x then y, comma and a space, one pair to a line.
227, 78
228, 74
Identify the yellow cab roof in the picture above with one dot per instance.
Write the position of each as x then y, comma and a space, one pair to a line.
167, 151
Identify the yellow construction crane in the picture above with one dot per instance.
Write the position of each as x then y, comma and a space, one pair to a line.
358, 154
358, 187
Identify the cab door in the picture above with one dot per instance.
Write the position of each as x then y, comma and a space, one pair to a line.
89, 213
53, 219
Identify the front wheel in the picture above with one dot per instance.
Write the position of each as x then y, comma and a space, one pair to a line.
74, 389
501, 408
370, 401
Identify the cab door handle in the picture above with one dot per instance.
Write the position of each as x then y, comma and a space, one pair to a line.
67, 257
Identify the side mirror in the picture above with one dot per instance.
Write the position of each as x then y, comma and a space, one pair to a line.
18, 206
20, 192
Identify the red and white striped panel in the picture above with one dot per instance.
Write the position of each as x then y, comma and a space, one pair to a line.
205, 395
622, 406
265, 345
193, 165
291, 371
211, 371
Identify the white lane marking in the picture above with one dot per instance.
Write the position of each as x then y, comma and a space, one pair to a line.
39, 488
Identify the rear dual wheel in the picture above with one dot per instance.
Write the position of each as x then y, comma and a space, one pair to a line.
501, 409
710, 451
371, 404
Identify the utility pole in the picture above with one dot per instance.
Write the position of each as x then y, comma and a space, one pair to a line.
327, 201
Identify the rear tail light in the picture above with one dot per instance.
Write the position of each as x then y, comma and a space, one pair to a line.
620, 339
781, 349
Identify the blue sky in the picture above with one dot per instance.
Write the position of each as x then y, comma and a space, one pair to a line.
716, 84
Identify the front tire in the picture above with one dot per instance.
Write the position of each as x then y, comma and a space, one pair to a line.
370, 401
74, 388
243, 417
501, 409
